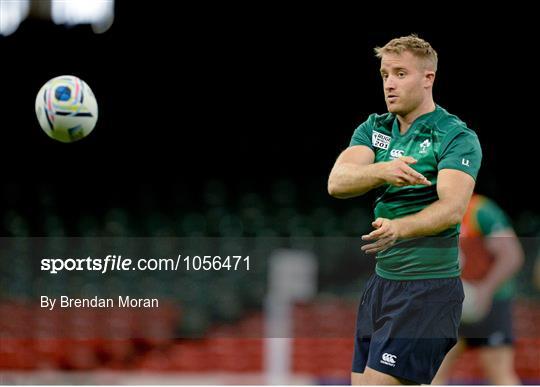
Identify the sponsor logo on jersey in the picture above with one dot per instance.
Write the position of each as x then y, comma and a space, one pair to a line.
465, 162
388, 359
396, 153
380, 140
423, 146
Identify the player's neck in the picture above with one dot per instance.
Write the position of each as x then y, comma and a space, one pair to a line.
405, 122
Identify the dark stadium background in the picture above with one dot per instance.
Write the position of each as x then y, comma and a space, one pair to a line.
194, 95
206, 114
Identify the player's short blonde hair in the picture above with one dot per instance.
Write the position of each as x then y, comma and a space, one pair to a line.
415, 45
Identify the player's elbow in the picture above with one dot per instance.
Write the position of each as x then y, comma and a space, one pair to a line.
456, 211
455, 218
455, 215
335, 190
338, 190
342, 184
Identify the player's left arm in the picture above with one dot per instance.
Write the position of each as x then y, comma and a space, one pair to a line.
454, 189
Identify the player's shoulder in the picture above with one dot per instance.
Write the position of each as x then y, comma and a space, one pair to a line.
384, 120
376, 129
376, 124
447, 123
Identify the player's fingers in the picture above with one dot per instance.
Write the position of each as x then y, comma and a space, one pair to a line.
400, 179
420, 181
412, 177
377, 222
408, 159
380, 245
404, 179
374, 235
412, 173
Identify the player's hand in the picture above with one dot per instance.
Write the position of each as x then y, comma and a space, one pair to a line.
386, 233
398, 173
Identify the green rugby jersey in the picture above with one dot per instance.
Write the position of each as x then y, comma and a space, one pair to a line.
438, 140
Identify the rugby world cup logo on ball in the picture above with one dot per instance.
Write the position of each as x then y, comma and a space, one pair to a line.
66, 108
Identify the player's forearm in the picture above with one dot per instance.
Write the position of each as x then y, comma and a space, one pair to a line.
435, 218
350, 180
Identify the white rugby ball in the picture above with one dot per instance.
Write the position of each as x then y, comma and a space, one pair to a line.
66, 108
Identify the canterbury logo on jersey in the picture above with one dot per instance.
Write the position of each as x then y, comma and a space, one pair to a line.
396, 153
380, 140
389, 359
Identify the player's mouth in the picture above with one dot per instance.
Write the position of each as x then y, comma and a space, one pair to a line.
391, 98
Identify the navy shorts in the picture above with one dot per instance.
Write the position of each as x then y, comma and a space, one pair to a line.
494, 330
405, 328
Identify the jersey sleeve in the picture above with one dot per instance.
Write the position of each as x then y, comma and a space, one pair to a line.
491, 218
461, 151
363, 133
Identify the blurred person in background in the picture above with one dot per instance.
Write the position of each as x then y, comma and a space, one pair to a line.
491, 254
422, 162
536, 272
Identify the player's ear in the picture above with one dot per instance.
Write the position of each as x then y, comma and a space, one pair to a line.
429, 78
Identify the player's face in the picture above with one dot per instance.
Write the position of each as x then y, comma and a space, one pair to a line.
404, 81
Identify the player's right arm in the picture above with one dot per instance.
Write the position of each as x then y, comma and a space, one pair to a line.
355, 173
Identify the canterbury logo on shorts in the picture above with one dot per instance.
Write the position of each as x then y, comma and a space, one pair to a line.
389, 359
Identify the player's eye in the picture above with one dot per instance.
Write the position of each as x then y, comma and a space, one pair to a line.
401, 74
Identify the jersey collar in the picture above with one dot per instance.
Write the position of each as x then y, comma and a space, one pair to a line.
423, 119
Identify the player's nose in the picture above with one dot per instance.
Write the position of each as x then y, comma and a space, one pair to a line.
389, 84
